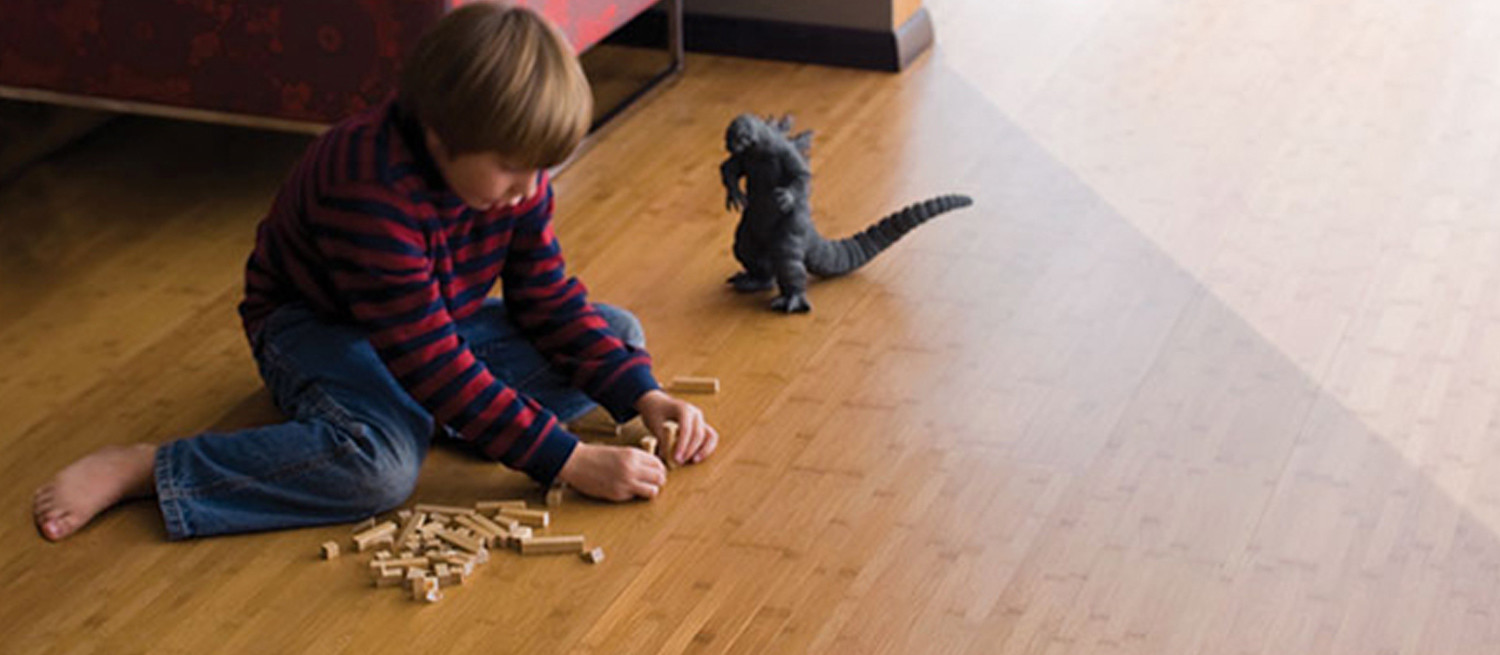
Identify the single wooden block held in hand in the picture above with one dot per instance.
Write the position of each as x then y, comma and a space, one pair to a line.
330, 550
648, 444
688, 384
552, 545
668, 452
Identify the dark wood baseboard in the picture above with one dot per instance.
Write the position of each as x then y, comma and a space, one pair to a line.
814, 44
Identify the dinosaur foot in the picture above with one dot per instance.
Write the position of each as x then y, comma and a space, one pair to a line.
746, 283
793, 304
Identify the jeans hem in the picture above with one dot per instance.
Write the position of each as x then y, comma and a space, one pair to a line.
167, 500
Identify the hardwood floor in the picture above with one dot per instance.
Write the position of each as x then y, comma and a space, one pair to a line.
1209, 367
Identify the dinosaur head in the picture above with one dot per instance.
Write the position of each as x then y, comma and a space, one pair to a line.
743, 133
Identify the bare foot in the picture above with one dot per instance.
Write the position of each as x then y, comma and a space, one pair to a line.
91, 485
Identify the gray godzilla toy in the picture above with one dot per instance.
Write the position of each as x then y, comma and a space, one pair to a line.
776, 240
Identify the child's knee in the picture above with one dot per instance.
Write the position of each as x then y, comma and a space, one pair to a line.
624, 324
387, 481
387, 463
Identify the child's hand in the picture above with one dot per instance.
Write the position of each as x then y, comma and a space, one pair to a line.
613, 472
696, 439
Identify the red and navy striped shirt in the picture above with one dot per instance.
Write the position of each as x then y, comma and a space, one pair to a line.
366, 231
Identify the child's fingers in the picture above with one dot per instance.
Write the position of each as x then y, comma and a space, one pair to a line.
645, 490
710, 443
651, 479
647, 468
688, 436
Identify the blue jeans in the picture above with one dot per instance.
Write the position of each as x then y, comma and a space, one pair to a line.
355, 439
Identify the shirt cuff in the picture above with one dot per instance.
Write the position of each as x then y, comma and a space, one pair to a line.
550, 455
619, 398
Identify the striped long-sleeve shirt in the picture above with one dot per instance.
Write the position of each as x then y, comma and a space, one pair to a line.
366, 231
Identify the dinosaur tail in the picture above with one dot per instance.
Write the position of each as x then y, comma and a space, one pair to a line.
832, 258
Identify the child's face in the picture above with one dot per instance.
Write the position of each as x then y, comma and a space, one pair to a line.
483, 180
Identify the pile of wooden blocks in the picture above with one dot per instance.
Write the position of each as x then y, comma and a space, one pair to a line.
437, 546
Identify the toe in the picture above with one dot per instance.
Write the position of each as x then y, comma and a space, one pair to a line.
57, 528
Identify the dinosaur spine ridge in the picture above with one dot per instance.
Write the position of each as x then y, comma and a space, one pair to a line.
833, 258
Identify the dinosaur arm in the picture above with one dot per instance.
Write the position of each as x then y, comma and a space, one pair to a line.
794, 185
731, 172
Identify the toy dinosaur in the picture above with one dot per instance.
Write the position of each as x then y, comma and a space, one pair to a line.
776, 240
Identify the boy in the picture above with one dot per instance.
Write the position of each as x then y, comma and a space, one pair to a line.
366, 307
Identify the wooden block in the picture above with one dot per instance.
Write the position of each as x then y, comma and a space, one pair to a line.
594, 556
458, 559
329, 550
426, 588
552, 545
466, 543
388, 577
364, 525
404, 514
469, 528
369, 537
648, 444
518, 533
495, 505
668, 452
555, 495
505, 522
448, 510
383, 555
535, 518
420, 562
410, 526
689, 384
501, 533
449, 575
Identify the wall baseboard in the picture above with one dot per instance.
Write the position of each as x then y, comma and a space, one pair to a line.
812, 44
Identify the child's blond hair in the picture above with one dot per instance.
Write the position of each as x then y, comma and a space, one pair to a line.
491, 77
